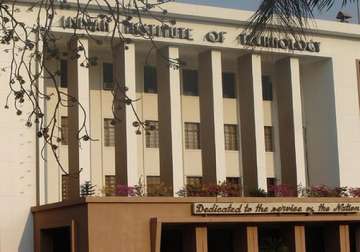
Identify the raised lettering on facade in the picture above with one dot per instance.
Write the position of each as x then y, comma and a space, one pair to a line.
274, 208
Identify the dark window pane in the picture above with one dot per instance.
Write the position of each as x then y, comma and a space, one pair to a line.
109, 132
192, 135
270, 183
269, 141
267, 88
63, 73
231, 139
150, 80
228, 81
152, 135
108, 76
190, 82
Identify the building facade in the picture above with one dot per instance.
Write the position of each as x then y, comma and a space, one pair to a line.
254, 112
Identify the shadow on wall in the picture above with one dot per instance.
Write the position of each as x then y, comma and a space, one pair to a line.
27, 238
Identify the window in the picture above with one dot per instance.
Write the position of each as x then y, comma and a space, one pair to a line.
108, 83
63, 73
228, 82
192, 135
152, 136
231, 139
269, 143
150, 80
153, 184
194, 180
233, 180
190, 82
267, 88
109, 132
64, 130
65, 186
110, 185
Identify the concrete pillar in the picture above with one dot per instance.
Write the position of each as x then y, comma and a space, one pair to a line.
300, 241
41, 158
170, 121
79, 116
124, 71
201, 239
250, 103
287, 81
252, 240
344, 236
211, 117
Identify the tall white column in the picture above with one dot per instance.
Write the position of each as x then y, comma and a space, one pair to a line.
79, 116
211, 117
126, 167
250, 102
287, 76
41, 156
170, 121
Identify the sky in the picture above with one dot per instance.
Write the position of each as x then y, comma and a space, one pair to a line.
253, 4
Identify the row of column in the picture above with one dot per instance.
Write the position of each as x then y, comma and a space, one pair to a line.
336, 239
249, 79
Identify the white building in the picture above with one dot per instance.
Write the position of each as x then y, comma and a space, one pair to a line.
274, 111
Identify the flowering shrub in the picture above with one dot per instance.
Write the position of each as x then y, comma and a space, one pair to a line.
354, 192
325, 191
159, 190
258, 193
282, 190
223, 189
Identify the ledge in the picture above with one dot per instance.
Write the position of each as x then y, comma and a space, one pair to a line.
172, 200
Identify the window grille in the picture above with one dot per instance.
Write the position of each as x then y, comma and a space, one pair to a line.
152, 136
231, 139
64, 130
109, 132
233, 180
65, 187
110, 185
193, 180
269, 142
192, 135
153, 183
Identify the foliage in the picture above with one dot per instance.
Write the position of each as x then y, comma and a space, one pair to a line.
354, 192
282, 190
325, 191
87, 189
222, 189
32, 43
258, 193
288, 16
